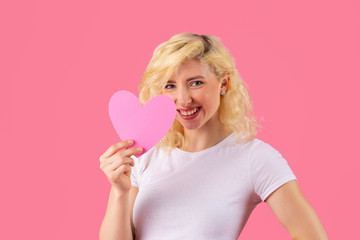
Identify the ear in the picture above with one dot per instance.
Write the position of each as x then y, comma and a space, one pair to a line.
225, 81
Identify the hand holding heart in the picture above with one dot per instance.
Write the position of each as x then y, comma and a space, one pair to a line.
145, 125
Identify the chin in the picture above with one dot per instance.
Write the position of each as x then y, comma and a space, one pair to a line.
187, 126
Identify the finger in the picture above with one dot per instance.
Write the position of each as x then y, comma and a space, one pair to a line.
115, 161
117, 157
125, 168
116, 147
116, 164
131, 151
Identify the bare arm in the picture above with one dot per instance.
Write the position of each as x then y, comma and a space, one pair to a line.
117, 223
116, 163
295, 213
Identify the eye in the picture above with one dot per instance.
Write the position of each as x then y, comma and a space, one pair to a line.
169, 86
200, 83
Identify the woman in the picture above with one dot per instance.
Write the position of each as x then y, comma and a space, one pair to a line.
204, 178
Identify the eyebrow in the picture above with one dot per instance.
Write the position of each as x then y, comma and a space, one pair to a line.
187, 80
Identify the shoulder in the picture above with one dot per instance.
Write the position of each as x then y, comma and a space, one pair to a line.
263, 155
238, 142
257, 147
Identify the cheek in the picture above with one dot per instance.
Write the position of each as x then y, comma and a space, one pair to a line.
211, 99
169, 94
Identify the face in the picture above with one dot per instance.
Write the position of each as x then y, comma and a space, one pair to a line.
195, 90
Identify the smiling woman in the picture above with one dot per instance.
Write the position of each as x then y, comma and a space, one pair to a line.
185, 60
209, 172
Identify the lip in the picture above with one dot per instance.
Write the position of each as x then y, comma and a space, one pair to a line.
189, 117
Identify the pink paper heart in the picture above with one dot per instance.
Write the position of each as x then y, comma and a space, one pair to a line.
147, 124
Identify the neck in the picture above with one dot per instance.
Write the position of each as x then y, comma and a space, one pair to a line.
205, 137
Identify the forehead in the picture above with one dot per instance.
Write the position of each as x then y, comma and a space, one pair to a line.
191, 68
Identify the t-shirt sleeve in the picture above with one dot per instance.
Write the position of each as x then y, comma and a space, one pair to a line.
268, 170
135, 172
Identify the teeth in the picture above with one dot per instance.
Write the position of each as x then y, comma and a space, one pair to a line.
189, 112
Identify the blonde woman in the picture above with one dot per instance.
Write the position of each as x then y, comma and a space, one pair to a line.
205, 177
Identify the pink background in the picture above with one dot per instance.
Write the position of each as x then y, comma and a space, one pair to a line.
60, 62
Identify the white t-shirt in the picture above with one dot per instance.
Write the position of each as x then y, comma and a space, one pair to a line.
204, 195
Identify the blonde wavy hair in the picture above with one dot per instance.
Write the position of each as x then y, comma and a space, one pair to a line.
235, 110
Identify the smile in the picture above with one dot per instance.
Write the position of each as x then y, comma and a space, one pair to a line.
189, 115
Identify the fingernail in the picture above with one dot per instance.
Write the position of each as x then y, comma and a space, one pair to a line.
130, 141
140, 149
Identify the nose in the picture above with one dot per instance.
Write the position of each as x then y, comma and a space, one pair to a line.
183, 98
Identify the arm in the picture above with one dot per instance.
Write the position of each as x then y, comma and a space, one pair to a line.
117, 223
295, 213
